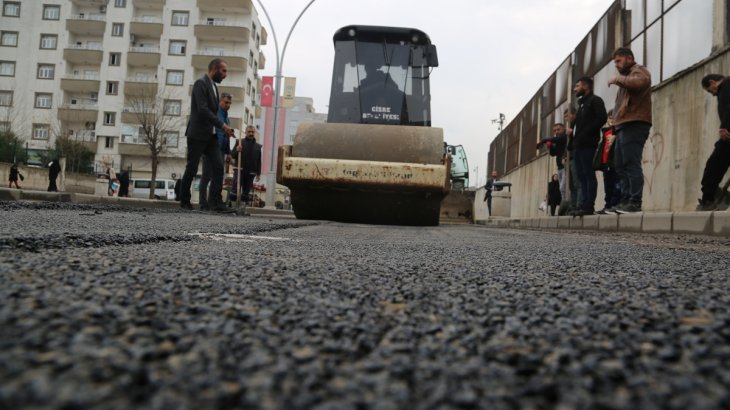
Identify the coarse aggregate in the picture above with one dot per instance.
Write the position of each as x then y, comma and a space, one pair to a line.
119, 308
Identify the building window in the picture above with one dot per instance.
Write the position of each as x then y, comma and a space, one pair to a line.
180, 18
43, 100
112, 87
175, 77
109, 118
41, 131
108, 142
245, 117
49, 41
248, 87
46, 71
120, 3
9, 38
253, 31
51, 12
177, 47
117, 29
11, 8
6, 98
115, 58
173, 107
170, 138
7, 68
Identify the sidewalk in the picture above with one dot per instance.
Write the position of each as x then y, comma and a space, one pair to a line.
8, 194
700, 223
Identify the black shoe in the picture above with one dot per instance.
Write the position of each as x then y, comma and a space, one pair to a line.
186, 205
220, 208
604, 211
628, 208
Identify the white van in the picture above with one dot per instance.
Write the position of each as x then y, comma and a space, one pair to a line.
164, 189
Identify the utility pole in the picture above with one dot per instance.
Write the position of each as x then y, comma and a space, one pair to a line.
499, 121
271, 183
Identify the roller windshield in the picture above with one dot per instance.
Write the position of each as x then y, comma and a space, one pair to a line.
380, 83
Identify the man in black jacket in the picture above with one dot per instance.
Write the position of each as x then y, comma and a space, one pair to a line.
251, 160
589, 119
201, 136
719, 161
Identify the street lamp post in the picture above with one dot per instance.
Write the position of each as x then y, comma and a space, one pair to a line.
271, 183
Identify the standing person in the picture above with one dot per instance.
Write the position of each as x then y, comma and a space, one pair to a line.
489, 187
13, 176
553, 196
603, 161
576, 193
54, 168
111, 176
719, 161
631, 122
123, 184
589, 119
201, 135
224, 149
556, 147
251, 168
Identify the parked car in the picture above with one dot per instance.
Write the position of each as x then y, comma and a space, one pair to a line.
164, 189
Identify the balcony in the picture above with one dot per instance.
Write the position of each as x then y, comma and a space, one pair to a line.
80, 83
262, 60
90, 3
231, 6
132, 116
201, 58
144, 56
149, 4
86, 137
87, 54
219, 30
84, 112
141, 87
146, 26
264, 36
134, 149
235, 91
84, 24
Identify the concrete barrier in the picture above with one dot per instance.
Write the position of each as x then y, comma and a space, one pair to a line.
660, 222
630, 222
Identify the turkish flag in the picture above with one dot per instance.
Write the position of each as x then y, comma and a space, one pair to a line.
267, 91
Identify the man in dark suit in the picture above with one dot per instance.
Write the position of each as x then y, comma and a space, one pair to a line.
201, 135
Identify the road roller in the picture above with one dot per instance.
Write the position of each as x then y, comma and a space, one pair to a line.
377, 160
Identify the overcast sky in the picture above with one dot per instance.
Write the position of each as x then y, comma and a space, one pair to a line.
493, 54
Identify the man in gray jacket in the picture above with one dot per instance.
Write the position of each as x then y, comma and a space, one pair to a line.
201, 136
632, 122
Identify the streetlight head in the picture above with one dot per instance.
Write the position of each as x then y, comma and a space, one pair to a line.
351, 32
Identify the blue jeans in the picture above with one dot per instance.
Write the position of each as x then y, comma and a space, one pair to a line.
611, 188
630, 140
586, 177
576, 193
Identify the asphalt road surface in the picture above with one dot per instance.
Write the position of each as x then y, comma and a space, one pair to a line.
104, 307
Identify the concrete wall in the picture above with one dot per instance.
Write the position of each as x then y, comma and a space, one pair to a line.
685, 127
37, 179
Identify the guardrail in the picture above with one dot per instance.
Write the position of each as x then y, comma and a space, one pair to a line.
148, 19
95, 47
223, 23
90, 17
80, 106
135, 49
146, 80
94, 77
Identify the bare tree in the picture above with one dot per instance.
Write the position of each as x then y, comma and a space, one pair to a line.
14, 128
156, 114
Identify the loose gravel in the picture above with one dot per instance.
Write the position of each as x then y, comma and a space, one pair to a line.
126, 308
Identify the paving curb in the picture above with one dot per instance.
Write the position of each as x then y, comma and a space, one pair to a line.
715, 223
7, 194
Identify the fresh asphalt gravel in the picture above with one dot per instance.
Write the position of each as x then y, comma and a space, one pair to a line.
121, 308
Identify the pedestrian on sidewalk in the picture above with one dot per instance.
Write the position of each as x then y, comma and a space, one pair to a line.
489, 188
556, 148
589, 119
719, 161
553, 196
576, 193
632, 122
54, 168
14, 175
603, 162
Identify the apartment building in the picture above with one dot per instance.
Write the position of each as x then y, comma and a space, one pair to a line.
92, 69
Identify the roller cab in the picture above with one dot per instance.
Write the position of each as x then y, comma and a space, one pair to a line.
377, 160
